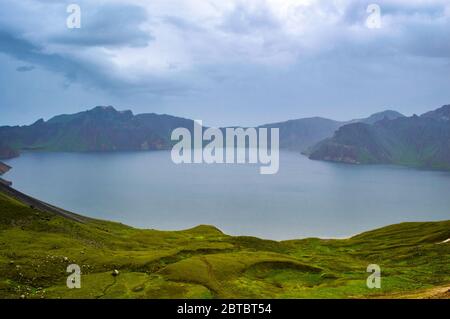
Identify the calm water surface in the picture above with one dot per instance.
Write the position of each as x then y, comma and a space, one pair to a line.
306, 198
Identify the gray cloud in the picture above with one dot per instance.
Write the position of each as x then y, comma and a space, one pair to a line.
24, 50
242, 20
108, 26
25, 68
85, 71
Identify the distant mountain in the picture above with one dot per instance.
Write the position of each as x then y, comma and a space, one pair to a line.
103, 128
301, 134
99, 129
420, 141
388, 114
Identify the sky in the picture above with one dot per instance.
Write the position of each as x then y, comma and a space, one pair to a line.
231, 62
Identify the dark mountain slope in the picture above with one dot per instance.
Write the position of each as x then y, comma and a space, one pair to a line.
414, 141
99, 129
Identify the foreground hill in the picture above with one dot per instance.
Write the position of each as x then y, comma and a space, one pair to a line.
38, 242
419, 141
106, 129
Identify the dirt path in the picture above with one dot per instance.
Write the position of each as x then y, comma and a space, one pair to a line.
442, 292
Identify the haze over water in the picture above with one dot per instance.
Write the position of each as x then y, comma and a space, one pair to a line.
306, 198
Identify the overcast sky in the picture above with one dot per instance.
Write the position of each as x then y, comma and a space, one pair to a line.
230, 62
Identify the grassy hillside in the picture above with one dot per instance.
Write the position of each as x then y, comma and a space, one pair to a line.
37, 244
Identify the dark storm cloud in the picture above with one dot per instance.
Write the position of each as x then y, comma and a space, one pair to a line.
25, 68
26, 51
108, 26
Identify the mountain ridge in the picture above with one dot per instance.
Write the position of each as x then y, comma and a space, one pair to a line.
103, 128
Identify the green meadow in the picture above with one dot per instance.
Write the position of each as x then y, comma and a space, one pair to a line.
37, 245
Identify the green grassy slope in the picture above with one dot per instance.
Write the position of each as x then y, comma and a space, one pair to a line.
37, 246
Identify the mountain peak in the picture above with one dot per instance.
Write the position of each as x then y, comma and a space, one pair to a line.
109, 109
104, 108
379, 116
388, 113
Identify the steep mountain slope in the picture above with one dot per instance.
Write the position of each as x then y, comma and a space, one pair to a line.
414, 141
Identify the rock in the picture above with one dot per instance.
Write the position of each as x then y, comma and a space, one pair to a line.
66, 259
115, 273
22, 296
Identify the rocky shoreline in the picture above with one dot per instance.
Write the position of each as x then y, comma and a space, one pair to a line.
3, 169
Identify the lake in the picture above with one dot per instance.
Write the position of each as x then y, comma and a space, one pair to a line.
306, 198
